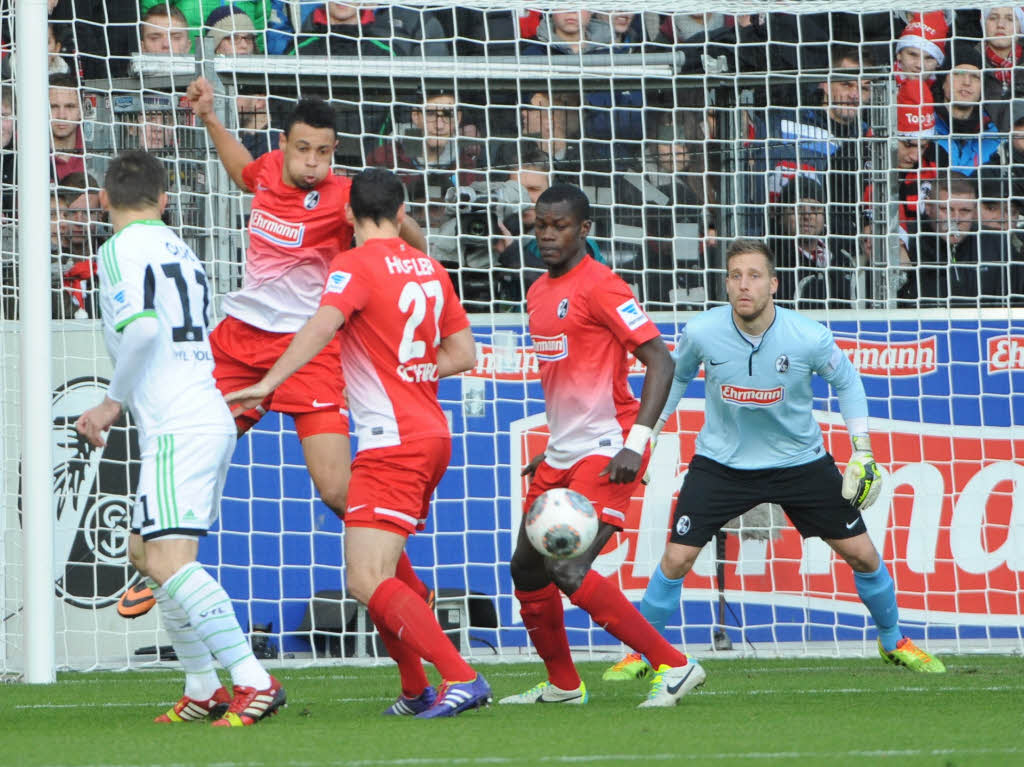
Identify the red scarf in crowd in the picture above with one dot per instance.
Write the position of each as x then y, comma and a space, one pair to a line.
1003, 68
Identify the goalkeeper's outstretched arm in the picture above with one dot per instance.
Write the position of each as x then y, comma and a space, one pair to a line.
233, 155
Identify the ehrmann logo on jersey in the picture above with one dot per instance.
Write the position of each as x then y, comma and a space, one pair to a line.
276, 230
551, 348
92, 490
743, 395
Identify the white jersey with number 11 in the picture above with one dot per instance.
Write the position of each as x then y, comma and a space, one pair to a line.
146, 270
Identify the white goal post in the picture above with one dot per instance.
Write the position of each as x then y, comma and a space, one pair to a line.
682, 143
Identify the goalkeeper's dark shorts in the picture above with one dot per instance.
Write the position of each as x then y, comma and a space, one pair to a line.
810, 494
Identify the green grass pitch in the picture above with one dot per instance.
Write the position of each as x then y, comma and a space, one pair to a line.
750, 712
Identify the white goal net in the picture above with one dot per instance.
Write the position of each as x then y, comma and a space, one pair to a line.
880, 153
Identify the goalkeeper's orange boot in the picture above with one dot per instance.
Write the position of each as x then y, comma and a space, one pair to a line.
911, 656
250, 705
137, 600
190, 710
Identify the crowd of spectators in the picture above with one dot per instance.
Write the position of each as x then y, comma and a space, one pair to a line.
670, 169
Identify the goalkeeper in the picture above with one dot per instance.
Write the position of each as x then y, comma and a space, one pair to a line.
760, 443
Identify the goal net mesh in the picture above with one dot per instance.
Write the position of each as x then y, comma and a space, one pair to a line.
877, 151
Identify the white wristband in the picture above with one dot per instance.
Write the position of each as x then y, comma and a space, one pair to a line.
638, 438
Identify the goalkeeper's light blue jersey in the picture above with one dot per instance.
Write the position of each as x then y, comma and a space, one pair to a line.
758, 401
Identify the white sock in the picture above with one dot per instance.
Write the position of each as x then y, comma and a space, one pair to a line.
210, 612
201, 680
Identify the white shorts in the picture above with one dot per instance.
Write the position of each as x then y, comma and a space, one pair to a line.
180, 484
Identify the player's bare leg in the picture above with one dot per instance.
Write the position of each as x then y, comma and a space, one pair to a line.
877, 591
137, 600
412, 630
329, 460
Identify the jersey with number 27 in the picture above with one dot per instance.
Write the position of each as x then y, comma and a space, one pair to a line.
398, 305
582, 324
147, 271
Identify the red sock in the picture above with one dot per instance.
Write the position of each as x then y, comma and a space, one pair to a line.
545, 624
410, 667
396, 607
615, 614
407, 575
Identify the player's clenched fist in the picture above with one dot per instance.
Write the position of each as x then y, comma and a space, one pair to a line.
200, 96
93, 422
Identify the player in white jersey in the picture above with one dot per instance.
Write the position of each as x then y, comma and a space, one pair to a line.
155, 304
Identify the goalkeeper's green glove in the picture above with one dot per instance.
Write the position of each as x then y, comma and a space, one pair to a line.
862, 481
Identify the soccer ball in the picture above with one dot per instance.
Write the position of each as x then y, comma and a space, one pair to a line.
561, 523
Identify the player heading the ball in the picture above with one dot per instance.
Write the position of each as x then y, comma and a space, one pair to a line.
584, 321
760, 443
402, 329
155, 298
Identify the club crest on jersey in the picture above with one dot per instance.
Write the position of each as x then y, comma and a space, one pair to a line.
312, 200
273, 229
782, 363
743, 395
550, 348
631, 314
337, 282
563, 308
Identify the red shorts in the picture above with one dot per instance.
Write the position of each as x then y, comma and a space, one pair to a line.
611, 499
391, 487
314, 395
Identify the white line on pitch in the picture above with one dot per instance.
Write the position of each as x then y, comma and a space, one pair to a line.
702, 693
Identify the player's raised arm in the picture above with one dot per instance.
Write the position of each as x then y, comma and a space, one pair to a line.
313, 337
233, 155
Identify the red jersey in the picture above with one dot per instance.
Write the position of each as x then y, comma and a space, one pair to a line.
293, 235
582, 325
398, 305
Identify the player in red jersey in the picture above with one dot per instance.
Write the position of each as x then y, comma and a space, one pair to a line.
583, 321
296, 227
402, 329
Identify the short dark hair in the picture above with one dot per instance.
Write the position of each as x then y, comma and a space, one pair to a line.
165, 11
63, 80
578, 201
953, 183
376, 193
134, 180
74, 185
840, 52
314, 112
743, 245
